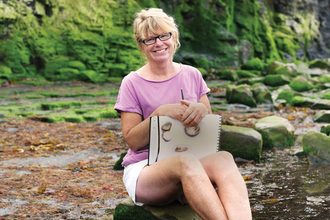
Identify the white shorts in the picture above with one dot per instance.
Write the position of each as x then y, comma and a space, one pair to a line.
131, 174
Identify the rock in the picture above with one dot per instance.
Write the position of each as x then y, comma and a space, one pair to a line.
299, 101
276, 92
241, 142
289, 69
322, 116
250, 81
117, 165
253, 64
227, 75
316, 146
325, 129
261, 93
276, 80
320, 63
275, 131
246, 74
273, 66
240, 94
287, 95
245, 51
128, 210
301, 84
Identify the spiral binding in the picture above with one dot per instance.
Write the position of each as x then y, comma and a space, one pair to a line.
219, 132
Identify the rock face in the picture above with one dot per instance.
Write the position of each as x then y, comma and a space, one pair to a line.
128, 210
275, 131
241, 142
317, 147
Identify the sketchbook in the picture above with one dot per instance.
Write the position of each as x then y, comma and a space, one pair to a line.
169, 137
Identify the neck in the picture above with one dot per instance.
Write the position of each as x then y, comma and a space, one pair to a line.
162, 69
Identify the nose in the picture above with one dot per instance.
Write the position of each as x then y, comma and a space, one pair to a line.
158, 41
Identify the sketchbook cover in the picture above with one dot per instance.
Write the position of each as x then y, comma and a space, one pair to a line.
169, 136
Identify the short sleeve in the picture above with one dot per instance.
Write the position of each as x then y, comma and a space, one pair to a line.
127, 100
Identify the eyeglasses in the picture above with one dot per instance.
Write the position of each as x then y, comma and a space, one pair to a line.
152, 40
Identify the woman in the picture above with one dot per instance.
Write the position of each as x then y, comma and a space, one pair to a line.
152, 90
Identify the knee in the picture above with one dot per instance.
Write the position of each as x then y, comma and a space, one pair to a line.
187, 163
226, 156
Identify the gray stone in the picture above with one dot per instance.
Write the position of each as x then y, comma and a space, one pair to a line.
241, 142
175, 211
322, 116
275, 131
261, 93
316, 146
240, 94
301, 84
289, 69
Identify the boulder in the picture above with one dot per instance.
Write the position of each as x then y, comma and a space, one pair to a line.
316, 146
320, 63
287, 95
276, 92
240, 94
241, 142
322, 116
227, 75
325, 129
301, 84
246, 74
253, 64
276, 80
128, 210
289, 69
273, 66
261, 93
275, 131
300, 101
250, 81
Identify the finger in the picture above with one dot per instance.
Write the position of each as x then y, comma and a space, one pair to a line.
185, 102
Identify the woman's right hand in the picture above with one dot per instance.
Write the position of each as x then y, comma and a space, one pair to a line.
175, 111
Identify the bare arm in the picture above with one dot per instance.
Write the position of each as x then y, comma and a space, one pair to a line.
136, 130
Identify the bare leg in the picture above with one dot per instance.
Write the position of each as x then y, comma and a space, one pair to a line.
222, 171
165, 180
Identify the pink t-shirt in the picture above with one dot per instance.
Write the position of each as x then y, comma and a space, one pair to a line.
143, 96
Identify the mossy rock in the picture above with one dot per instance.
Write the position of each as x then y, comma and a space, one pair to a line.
228, 75
5, 72
241, 142
117, 165
320, 63
325, 129
261, 93
73, 119
287, 69
109, 113
275, 131
276, 80
287, 95
77, 65
322, 116
272, 67
253, 64
240, 94
250, 81
245, 74
300, 84
316, 146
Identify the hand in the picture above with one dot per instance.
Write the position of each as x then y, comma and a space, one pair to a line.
194, 114
175, 111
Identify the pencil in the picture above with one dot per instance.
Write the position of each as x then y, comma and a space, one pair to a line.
182, 95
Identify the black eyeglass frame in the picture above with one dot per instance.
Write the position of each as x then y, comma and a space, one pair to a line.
155, 38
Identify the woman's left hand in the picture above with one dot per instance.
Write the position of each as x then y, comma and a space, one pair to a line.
194, 114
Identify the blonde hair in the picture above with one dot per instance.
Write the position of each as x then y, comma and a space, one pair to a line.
156, 21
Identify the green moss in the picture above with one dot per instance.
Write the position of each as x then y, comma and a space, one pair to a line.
117, 165
109, 113
286, 95
253, 64
123, 212
245, 74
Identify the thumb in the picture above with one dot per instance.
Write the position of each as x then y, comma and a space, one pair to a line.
185, 102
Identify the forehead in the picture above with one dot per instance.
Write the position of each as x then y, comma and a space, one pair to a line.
157, 32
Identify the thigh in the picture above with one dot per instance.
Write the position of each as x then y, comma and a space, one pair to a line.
159, 183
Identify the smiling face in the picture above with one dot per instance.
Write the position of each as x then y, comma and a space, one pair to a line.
160, 51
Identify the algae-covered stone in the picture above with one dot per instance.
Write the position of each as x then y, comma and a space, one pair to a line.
5, 72
117, 165
240, 94
316, 146
241, 142
77, 65
320, 63
301, 84
109, 113
300, 101
289, 69
250, 81
325, 129
228, 75
253, 64
287, 95
261, 93
128, 210
276, 80
322, 116
273, 66
246, 74
276, 131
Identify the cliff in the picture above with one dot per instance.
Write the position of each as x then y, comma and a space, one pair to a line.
91, 40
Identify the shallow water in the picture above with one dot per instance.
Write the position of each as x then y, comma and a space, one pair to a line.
284, 186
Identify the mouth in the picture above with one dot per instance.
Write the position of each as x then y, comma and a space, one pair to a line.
161, 51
